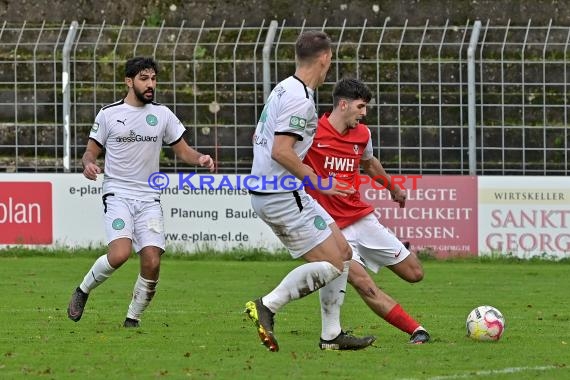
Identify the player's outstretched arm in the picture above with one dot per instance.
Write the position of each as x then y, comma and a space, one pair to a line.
373, 167
192, 156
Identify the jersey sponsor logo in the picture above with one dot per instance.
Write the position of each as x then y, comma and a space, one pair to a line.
339, 163
122, 121
279, 90
151, 120
133, 137
95, 128
297, 122
322, 145
259, 140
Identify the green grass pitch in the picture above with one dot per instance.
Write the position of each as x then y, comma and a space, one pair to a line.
195, 327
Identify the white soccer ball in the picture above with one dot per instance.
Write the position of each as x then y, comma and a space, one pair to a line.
485, 323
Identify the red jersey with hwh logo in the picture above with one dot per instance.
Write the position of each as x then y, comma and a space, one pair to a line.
336, 155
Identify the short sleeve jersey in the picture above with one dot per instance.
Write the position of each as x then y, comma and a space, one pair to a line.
339, 156
133, 138
290, 109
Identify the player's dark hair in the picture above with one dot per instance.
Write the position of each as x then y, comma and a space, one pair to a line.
137, 64
352, 89
310, 44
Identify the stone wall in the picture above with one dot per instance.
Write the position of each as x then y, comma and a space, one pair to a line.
253, 12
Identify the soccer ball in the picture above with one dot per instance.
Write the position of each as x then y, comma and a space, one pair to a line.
485, 323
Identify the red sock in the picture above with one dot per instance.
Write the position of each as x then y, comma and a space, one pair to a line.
399, 318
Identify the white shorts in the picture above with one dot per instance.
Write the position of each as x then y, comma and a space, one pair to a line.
296, 218
140, 221
373, 245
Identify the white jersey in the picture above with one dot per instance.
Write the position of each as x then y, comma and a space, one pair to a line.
290, 109
133, 138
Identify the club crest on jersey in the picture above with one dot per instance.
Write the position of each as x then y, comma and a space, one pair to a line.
320, 223
151, 120
355, 148
297, 122
118, 224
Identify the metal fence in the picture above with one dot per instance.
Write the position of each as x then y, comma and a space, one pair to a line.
216, 79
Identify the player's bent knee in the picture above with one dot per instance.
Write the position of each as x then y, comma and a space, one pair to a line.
344, 249
416, 276
412, 269
346, 252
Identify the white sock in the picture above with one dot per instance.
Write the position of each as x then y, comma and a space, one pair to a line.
99, 272
332, 298
300, 282
143, 292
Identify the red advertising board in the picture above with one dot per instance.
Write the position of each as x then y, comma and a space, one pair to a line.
26, 213
440, 214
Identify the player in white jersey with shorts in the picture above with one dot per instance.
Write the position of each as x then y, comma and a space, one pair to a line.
283, 135
132, 132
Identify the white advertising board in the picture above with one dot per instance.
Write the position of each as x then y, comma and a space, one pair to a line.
520, 216
73, 216
524, 216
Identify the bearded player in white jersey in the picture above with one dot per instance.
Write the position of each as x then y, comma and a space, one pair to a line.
283, 135
132, 132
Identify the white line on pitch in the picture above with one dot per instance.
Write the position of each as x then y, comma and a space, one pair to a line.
490, 372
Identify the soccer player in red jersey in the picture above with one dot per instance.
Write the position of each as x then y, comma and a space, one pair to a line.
342, 145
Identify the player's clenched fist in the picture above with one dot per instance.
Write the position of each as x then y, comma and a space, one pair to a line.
91, 170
